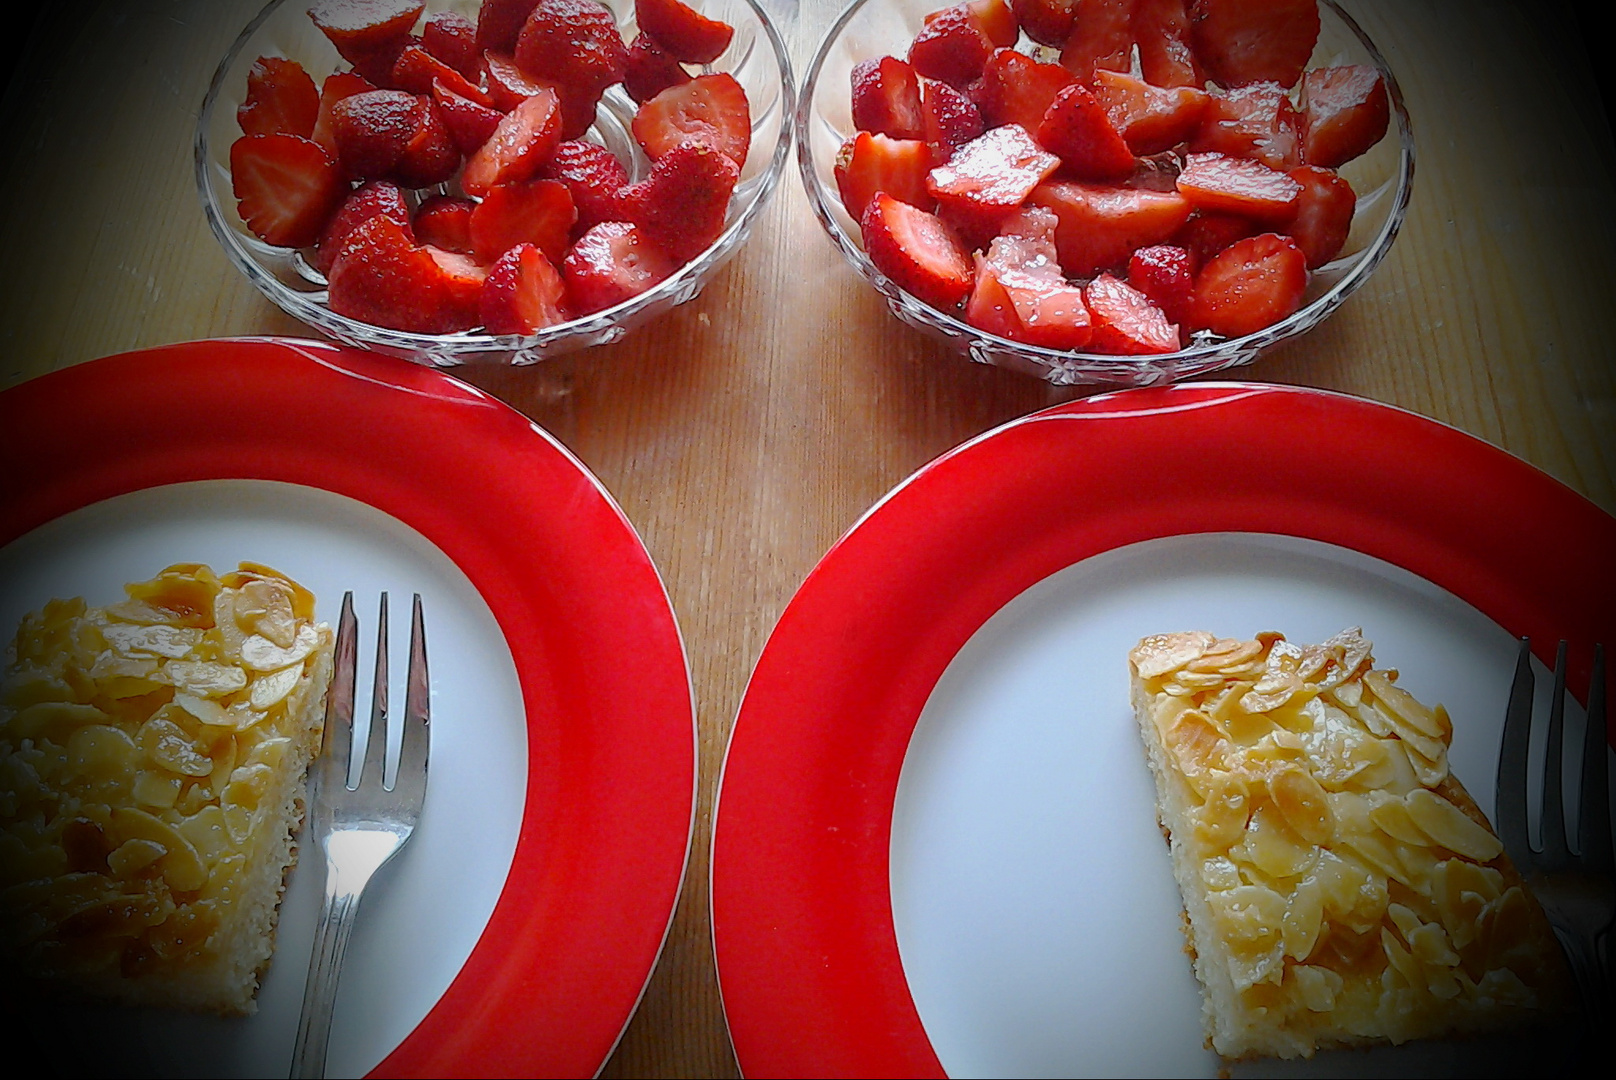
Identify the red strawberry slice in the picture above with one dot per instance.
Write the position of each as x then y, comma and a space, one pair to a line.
682, 32
951, 48
524, 140
995, 19
281, 98
344, 84
1247, 41
1101, 226
710, 108
1020, 270
500, 22
951, 120
1346, 112
463, 281
1204, 235
1166, 56
534, 212
416, 70
286, 187
917, 251
613, 263
365, 23
379, 198
648, 70
444, 222
1077, 130
1217, 184
574, 44
683, 204
524, 293
1150, 119
1323, 214
1101, 38
509, 85
430, 157
1048, 22
869, 163
1126, 323
886, 98
992, 175
372, 130
1016, 89
380, 277
1250, 285
470, 124
594, 176
1256, 121
990, 308
452, 38
1165, 274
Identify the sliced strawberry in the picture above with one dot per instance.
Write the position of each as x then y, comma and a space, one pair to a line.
281, 98
1149, 118
1204, 235
612, 263
1101, 39
431, 156
1048, 22
1048, 314
524, 293
951, 48
1101, 226
710, 108
500, 22
886, 98
578, 111
378, 198
364, 24
917, 251
372, 130
524, 140
1346, 112
1022, 272
1240, 42
452, 38
509, 85
648, 70
995, 19
1323, 214
682, 32
380, 277
1165, 274
469, 124
992, 175
533, 212
444, 221
1016, 89
951, 120
574, 44
1250, 285
463, 281
376, 63
1166, 57
869, 163
1218, 184
286, 187
683, 203
594, 176
1032, 223
1256, 121
1077, 130
990, 308
1126, 323
416, 70
344, 84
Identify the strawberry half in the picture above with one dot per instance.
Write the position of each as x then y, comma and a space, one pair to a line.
1048, 22
992, 175
682, 32
372, 130
452, 38
995, 19
523, 140
1247, 41
378, 198
710, 108
1077, 130
1323, 214
951, 120
1126, 323
281, 99
343, 84
430, 157
470, 124
1016, 89
508, 85
951, 48
416, 70
1149, 118
886, 98
1100, 227
917, 251
574, 44
683, 203
536, 212
500, 22
523, 293
381, 277
1217, 184
463, 280
362, 25
1020, 292
1204, 235
1165, 274
1166, 56
1346, 112
1250, 285
594, 176
444, 221
1101, 38
648, 70
869, 163
612, 263
1256, 121
286, 187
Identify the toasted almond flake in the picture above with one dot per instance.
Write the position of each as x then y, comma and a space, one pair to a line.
1451, 827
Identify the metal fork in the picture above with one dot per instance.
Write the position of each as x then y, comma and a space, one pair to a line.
1577, 889
358, 828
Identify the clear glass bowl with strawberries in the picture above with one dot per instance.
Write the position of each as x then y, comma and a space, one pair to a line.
1123, 192
493, 180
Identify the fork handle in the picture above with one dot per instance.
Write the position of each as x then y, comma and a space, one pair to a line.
325, 966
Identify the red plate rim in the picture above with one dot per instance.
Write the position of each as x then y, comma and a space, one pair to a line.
808, 961
610, 797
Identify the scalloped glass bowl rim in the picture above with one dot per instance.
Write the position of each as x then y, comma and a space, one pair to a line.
447, 350
1067, 367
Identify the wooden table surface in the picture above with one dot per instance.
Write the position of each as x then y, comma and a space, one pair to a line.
745, 432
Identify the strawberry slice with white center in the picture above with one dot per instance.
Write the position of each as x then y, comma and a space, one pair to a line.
991, 175
709, 108
683, 32
870, 163
918, 251
286, 187
521, 142
1020, 291
524, 293
1126, 323
611, 263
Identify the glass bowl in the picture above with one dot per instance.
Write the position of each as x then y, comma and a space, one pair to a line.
756, 57
1382, 179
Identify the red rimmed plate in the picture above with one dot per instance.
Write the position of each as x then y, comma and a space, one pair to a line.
525, 916
935, 845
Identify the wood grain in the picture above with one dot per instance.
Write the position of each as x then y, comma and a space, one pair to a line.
746, 431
